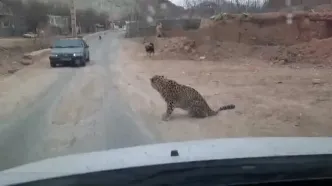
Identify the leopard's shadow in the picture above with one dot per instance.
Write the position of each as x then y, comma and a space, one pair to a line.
182, 116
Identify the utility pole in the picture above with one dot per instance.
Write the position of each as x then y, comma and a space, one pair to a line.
289, 18
73, 18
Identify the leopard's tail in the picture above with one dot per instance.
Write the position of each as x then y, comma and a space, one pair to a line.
226, 107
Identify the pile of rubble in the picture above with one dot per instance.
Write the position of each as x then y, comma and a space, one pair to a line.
313, 52
177, 44
188, 49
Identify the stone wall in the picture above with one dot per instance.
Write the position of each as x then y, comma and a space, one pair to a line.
142, 28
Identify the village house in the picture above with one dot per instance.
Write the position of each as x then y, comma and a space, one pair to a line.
10, 24
59, 24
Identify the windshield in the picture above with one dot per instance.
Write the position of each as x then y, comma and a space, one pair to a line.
67, 44
159, 71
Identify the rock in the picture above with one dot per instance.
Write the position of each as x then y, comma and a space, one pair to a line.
207, 38
12, 71
316, 81
26, 61
282, 62
27, 56
186, 48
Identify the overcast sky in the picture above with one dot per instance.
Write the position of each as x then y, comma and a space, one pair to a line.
177, 2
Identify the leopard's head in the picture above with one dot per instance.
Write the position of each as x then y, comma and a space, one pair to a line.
157, 81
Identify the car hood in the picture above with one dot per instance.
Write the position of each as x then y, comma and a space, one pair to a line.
66, 50
158, 154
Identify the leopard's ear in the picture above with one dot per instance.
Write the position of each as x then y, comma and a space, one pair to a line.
153, 78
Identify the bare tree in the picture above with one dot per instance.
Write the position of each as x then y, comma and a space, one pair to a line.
16, 6
190, 6
219, 3
208, 7
238, 6
88, 18
36, 14
60, 9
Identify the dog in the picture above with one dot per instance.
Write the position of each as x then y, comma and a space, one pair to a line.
149, 48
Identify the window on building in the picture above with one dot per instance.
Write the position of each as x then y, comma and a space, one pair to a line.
5, 23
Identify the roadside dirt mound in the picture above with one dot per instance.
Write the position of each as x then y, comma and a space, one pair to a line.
12, 51
323, 8
313, 52
10, 60
189, 49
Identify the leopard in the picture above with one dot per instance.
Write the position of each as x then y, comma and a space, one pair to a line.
184, 97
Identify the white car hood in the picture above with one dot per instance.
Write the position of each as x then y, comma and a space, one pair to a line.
157, 154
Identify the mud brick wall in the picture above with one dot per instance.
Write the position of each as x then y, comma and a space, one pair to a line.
142, 28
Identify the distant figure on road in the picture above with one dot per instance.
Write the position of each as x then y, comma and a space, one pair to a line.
159, 30
99, 37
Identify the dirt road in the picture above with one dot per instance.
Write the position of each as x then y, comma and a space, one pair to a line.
49, 112
271, 100
110, 104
